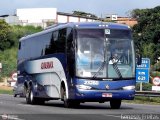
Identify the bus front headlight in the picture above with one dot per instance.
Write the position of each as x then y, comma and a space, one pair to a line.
83, 87
129, 88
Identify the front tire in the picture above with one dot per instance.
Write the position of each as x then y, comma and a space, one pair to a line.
68, 103
115, 104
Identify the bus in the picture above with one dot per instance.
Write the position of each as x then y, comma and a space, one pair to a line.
77, 63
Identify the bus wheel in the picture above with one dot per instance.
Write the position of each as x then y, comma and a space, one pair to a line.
30, 99
115, 104
15, 95
67, 103
27, 92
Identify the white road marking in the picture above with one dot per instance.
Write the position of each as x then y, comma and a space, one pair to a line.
10, 117
113, 116
26, 105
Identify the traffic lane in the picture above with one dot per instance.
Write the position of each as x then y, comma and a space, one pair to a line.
16, 108
11, 105
59, 117
57, 107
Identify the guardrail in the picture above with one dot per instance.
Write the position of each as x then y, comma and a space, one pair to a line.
148, 93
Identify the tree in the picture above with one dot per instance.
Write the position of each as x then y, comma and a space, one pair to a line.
8, 57
5, 41
147, 32
84, 14
21, 31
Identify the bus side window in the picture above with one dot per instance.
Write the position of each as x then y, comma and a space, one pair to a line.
60, 43
51, 48
57, 42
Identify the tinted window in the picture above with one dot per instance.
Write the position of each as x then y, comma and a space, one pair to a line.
51, 48
57, 42
121, 34
60, 43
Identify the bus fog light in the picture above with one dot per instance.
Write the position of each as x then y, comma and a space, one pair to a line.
129, 88
131, 95
83, 87
80, 94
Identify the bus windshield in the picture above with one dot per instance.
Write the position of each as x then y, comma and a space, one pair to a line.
105, 53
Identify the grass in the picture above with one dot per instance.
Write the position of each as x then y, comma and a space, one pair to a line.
10, 92
145, 100
6, 90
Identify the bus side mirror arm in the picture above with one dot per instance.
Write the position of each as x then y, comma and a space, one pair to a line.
139, 59
71, 64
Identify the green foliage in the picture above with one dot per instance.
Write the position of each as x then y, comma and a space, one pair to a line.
10, 92
20, 31
9, 35
84, 14
8, 57
155, 70
147, 32
147, 100
145, 86
5, 41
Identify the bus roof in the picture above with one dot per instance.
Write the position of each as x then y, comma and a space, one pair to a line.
91, 25
78, 25
100, 25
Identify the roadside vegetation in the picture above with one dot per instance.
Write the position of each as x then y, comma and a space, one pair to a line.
147, 39
6, 90
144, 100
147, 32
9, 38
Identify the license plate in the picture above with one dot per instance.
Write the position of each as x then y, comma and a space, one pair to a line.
107, 95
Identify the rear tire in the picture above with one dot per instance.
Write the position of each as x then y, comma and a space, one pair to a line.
30, 99
15, 95
115, 104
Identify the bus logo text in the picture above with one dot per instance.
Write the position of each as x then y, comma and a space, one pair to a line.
47, 65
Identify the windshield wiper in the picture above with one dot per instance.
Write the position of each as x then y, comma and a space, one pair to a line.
116, 67
102, 65
101, 68
104, 62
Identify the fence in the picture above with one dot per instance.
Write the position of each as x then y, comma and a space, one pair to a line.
148, 93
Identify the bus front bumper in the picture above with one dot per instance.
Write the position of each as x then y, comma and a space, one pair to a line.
103, 95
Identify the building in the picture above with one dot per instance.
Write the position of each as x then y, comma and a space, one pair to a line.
47, 16
11, 19
36, 16
67, 17
128, 21
122, 20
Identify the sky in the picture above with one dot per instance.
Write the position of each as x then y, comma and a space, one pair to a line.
100, 8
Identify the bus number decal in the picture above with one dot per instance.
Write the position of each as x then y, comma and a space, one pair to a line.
91, 83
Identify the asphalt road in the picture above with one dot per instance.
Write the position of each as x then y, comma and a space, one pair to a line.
16, 109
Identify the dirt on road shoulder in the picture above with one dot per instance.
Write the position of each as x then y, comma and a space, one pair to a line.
6, 88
